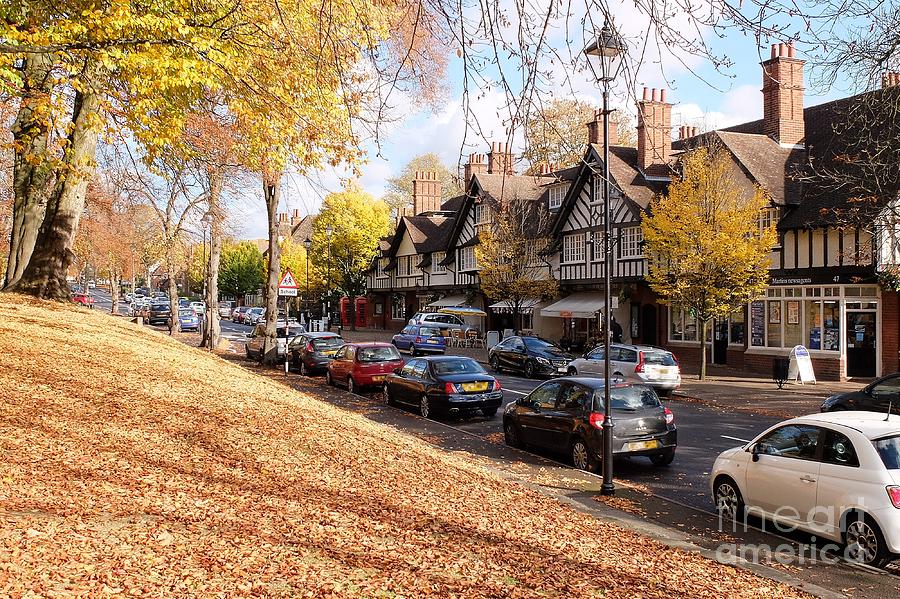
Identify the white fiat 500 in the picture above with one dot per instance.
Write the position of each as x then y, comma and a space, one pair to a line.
835, 475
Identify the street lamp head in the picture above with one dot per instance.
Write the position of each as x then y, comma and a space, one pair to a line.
307, 243
605, 53
329, 230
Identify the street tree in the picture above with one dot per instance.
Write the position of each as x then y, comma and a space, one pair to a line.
358, 221
400, 188
509, 256
705, 250
241, 269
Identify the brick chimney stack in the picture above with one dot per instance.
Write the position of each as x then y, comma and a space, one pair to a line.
595, 130
654, 132
477, 165
783, 96
500, 160
686, 132
295, 217
426, 195
890, 79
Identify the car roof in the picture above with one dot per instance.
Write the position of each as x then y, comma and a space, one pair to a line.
871, 424
446, 358
595, 383
370, 344
320, 334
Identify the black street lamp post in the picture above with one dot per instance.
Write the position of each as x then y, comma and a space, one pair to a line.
604, 56
208, 314
328, 232
307, 243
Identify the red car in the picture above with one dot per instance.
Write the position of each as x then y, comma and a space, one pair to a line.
359, 365
85, 299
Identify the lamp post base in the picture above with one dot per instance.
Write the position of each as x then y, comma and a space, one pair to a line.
607, 489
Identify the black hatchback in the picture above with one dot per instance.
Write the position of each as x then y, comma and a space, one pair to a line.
531, 356
566, 415
444, 385
312, 351
878, 396
159, 313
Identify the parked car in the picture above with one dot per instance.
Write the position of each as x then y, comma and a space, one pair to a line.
439, 320
635, 363
226, 308
566, 415
159, 313
184, 302
834, 475
418, 338
254, 315
359, 365
444, 385
188, 320
92, 284
199, 307
531, 356
285, 333
238, 314
85, 299
311, 352
876, 397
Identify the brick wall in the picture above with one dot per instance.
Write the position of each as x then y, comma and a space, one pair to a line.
783, 92
890, 332
825, 369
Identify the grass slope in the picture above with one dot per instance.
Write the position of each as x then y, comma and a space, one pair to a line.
130, 463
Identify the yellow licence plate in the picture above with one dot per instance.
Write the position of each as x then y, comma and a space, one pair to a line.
639, 445
330, 354
377, 379
475, 386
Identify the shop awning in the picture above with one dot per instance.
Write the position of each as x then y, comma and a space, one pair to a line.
446, 302
577, 305
506, 306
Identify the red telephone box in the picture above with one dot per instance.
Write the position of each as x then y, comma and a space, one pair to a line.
359, 317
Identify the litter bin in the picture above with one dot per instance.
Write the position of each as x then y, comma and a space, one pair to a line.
780, 368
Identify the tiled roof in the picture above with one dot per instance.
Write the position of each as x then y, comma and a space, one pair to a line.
511, 187
624, 172
429, 233
771, 166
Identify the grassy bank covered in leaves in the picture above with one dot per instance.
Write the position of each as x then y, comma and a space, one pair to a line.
132, 464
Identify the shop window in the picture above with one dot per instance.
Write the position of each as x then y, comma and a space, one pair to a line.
773, 319
398, 309
737, 328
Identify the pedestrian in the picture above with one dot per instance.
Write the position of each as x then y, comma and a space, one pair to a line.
616, 329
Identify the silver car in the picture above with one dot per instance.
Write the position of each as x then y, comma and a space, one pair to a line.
254, 315
633, 363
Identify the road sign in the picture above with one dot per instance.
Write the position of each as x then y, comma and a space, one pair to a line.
287, 287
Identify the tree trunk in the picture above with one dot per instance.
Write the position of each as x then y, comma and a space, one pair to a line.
32, 167
272, 194
174, 324
114, 291
213, 330
702, 331
45, 275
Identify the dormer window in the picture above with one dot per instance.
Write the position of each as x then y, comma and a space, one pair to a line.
482, 214
557, 193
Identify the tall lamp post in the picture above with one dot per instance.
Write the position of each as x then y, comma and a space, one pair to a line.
208, 314
307, 243
328, 232
604, 56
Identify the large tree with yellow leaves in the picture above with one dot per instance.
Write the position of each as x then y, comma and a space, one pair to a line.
705, 250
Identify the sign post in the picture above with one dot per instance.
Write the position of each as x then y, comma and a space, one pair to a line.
287, 287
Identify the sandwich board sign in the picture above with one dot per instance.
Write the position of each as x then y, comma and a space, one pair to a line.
801, 367
287, 287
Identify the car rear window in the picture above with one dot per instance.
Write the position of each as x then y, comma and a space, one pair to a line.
160, 306
888, 449
628, 398
430, 331
185, 313
378, 354
659, 358
327, 343
457, 367
292, 332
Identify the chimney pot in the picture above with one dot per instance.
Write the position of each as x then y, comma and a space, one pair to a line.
774, 50
782, 50
655, 95
662, 95
791, 50
646, 94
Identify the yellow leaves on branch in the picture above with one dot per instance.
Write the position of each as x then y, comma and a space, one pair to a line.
704, 246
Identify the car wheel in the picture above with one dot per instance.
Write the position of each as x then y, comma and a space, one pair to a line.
247, 349
303, 369
529, 370
664, 392
864, 542
413, 351
328, 380
511, 434
581, 456
495, 364
489, 412
729, 502
351, 385
386, 394
663, 459
572, 372
424, 407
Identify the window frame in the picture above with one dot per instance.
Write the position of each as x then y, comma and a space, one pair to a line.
631, 242
817, 455
467, 259
436, 259
573, 250
556, 195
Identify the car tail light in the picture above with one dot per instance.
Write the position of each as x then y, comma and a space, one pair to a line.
596, 419
670, 417
450, 389
894, 494
640, 365
496, 385
309, 348
674, 357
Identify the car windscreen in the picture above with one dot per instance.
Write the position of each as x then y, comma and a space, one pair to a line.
291, 332
457, 367
327, 343
888, 449
377, 354
628, 398
660, 358
537, 343
185, 313
429, 331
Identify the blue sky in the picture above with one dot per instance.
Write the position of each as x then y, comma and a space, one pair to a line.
702, 96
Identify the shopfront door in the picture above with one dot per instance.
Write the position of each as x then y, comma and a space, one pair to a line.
720, 341
861, 350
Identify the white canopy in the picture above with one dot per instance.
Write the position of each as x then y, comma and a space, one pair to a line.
526, 305
446, 302
577, 305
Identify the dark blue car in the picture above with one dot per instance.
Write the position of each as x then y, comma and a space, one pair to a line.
420, 338
188, 320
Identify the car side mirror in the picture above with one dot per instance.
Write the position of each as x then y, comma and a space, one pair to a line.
757, 450
397, 370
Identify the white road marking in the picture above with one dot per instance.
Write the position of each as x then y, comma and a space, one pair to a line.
514, 391
735, 439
